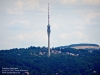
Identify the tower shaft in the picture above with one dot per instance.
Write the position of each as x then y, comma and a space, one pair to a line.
48, 46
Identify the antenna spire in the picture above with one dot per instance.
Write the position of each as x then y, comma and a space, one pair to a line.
48, 13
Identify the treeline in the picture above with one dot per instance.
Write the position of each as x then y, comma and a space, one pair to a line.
65, 63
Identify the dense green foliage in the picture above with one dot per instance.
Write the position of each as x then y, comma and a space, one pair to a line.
85, 63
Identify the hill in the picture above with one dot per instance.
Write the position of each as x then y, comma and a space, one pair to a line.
34, 61
82, 46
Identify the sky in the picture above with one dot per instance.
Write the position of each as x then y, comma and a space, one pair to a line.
23, 23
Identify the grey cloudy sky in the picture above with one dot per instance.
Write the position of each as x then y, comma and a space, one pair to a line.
23, 23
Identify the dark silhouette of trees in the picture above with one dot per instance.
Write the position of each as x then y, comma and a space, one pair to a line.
86, 63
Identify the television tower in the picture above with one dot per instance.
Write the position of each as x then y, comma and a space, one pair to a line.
48, 32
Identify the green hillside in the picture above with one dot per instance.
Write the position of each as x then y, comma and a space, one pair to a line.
66, 62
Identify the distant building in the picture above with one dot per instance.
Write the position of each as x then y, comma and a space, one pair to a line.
40, 53
26, 73
84, 46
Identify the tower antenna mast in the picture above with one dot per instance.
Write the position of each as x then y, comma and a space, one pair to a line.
48, 13
48, 32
